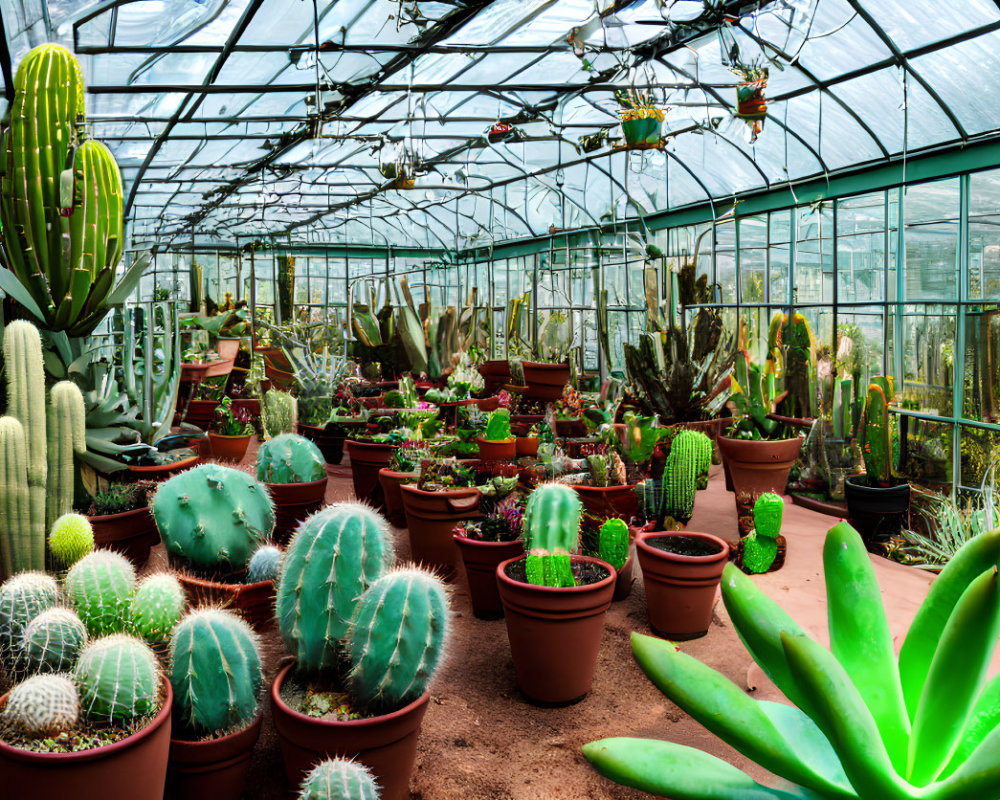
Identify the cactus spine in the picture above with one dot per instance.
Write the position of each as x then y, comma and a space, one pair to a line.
43, 705
70, 539
680, 478
157, 607
760, 546
701, 446
67, 435
51, 642
339, 779
551, 533
22, 598
289, 458
118, 679
265, 564
15, 523
278, 412
100, 587
614, 542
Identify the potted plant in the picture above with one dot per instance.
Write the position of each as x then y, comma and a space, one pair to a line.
496, 443
568, 410
751, 105
368, 455
641, 119
403, 468
365, 648
554, 601
763, 549
606, 492
230, 432
615, 548
121, 520
294, 472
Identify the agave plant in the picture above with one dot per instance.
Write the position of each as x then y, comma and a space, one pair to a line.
867, 725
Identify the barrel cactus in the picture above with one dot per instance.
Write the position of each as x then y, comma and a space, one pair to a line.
70, 539
215, 671
51, 642
213, 516
551, 534
118, 679
760, 547
66, 432
265, 564
42, 705
157, 607
334, 556
700, 446
339, 779
290, 458
614, 542
22, 598
100, 587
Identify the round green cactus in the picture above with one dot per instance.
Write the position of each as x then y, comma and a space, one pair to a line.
614, 542
43, 705
290, 458
265, 564
397, 638
759, 553
339, 779
215, 671
157, 606
213, 516
51, 642
118, 679
70, 539
100, 587
22, 598
498, 427
334, 556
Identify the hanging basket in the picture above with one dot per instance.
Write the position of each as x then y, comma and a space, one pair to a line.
750, 100
642, 132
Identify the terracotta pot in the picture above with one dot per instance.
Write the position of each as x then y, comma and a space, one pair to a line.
386, 744
555, 633
201, 413
878, 512
431, 519
526, 446
131, 533
391, 481
160, 472
132, 769
680, 590
609, 501
545, 381
495, 373
293, 502
570, 428
480, 559
488, 403
625, 579
367, 458
214, 769
229, 448
756, 467
504, 450
252, 601
227, 347
330, 444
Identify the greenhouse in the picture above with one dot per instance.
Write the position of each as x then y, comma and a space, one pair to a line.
499, 399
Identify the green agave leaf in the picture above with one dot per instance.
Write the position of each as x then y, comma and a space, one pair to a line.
10, 285
977, 779
983, 721
811, 746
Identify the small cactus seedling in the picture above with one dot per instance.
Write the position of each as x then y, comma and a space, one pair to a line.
22, 598
100, 587
118, 679
265, 564
157, 606
290, 458
215, 671
70, 539
598, 466
43, 705
51, 642
760, 546
614, 543
339, 779
551, 534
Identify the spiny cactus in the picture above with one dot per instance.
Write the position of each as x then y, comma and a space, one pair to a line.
215, 671
498, 427
66, 429
551, 534
397, 638
22, 598
875, 433
157, 606
100, 587
760, 546
213, 516
118, 679
767, 512
290, 458
339, 779
614, 542
792, 342
278, 413
15, 522
700, 445
680, 478
265, 564
598, 466
70, 539
334, 556
51, 642
43, 705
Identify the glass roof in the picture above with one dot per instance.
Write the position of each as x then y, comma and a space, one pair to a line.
247, 118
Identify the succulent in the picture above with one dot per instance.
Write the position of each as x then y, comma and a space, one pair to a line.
498, 427
22, 598
598, 466
100, 587
792, 343
290, 458
867, 725
551, 534
118, 679
339, 779
215, 671
752, 393
333, 557
265, 564
43, 705
15, 525
157, 606
51, 642
875, 433
213, 516
278, 412
70, 539
614, 542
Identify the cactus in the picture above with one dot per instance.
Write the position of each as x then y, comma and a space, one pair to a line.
680, 479
118, 679
498, 427
215, 671
701, 446
100, 587
617, 474
70, 539
51, 642
843, 423
22, 598
397, 638
278, 413
66, 429
290, 458
339, 779
15, 525
614, 542
792, 350
334, 556
753, 396
157, 606
265, 564
598, 466
875, 434
551, 534
43, 705
213, 516
760, 546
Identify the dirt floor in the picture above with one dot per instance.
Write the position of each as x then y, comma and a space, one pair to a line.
482, 741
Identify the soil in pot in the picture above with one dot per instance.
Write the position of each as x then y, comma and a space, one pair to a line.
583, 573
685, 545
211, 769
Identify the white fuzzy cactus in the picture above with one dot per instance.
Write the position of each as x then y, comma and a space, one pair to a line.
43, 705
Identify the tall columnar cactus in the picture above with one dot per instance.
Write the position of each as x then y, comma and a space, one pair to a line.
792, 343
334, 556
875, 435
51, 642
278, 412
397, 638
843, 423
43, 705
752, 395
265, 564
118, 679
680, 479
498, 427
15, 516
22, 598
70, 539
157, 607
760, 547
339, 779
215, 671
100, 587
551, 534
66, 430
614, 542
213, 516
598, 466
700, 446
290, 458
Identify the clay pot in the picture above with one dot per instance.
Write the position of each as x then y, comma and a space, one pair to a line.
132, 769
391, 481
680, 589
545, 381
252, 601
878, 512
526, 446
431, 519
609, 501
330, 444
480, 559
160, 472
201, 413
555, 633
229, 448
504, 450
214, 769
570, 428
131, 533
756, 467
293, 502
625, 579
386, 744
367, 458
495, 373
488, 403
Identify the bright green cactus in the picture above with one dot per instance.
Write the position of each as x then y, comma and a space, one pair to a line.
290, 458
70, 539
265, 564
339, 779
278, 413
753, 393
680, 478
702, 446
614, 542
498, 427
100, 587
66, 429
875, 433
215, 671
51, 642
397, 639
868, 725
334, 556
598, 466
213, 516
157, 606
42, 705
760, 547
118, 679
22, 598
551, 534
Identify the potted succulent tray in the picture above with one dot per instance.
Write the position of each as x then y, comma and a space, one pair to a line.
121, 521
294, 472
483, 546
391, 480
367, 458
164, 465
431, 516
545, 381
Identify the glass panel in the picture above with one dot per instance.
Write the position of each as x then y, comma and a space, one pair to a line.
983, 278
814, 255
931, 238
861, 243
926, 452
753, 258
928, 358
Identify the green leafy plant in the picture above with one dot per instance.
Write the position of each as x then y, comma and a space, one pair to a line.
498, 427
232, 423
118, 498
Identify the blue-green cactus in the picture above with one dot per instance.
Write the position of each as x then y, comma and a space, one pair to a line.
290, 458
339, 779
265, 564
551, 533
51, 642
100, 587
157, 607
70, 539
42, 705
118, 679
23, 597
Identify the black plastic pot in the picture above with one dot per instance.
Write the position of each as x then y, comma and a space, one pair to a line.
878, 512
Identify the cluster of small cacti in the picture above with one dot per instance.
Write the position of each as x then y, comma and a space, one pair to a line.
598, 466
498, 427
339, 779
680, 477
22, 598
278, 413
290, 458
70, 539
551, 534
614, 542
760, 546
265, 564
